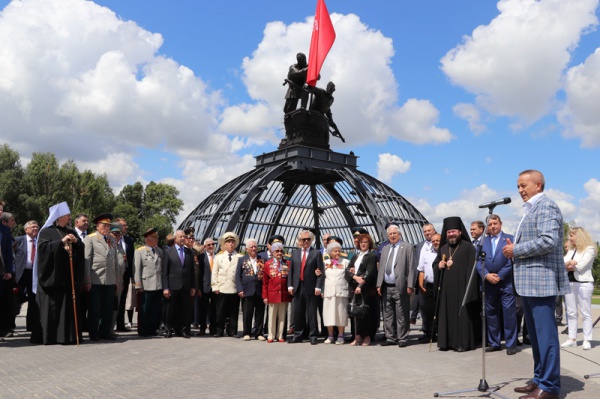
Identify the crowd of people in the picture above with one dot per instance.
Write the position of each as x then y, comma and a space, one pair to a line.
75, 282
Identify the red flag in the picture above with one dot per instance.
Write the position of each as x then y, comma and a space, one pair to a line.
322, 39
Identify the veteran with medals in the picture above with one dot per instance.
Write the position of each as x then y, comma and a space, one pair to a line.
147, 266
274, 292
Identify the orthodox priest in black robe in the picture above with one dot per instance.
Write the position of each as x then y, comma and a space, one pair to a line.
452, 269
54, 292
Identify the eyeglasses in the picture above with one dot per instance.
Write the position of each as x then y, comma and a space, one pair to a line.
210, 245
278, 250
305, 239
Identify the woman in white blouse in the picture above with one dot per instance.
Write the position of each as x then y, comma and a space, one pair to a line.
578, 261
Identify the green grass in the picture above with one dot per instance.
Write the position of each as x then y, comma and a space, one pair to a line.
596, 300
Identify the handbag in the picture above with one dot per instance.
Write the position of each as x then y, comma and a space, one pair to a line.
359, 310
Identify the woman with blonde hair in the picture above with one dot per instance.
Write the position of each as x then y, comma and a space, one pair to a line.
578, 261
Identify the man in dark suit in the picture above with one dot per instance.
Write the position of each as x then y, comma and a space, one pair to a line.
539, 275
500, 305
128, 245
306, 286
248, 282
207, 309
25, 248
179, 286
395, 283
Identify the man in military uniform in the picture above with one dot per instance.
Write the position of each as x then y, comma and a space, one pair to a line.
296, 80
223, 285
147, 266
101, 262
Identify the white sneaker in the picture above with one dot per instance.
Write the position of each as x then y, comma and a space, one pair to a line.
260, 338
329, 341
569, 344
587, 346
246, 338
128, 325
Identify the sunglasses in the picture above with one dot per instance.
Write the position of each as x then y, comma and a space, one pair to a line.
278, 250
305, 239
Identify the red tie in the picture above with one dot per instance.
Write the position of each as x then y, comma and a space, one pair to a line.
32, 250
302, 265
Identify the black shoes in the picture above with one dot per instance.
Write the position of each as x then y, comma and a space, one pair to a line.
511, 351
493, 349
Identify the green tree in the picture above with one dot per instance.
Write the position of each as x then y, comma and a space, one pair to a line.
156, 205
11, 176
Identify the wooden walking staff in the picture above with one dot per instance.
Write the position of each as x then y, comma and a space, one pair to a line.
69, 249
437, 303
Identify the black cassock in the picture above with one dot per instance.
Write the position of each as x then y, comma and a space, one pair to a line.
54, 292
456, 331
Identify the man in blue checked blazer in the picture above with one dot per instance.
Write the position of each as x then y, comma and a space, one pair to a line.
539, 276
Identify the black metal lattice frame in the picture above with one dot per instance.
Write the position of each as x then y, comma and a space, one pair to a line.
285, 196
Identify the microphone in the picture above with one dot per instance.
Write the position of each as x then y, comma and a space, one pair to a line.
492, 204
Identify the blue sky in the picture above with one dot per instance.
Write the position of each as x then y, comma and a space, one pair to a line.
444, 101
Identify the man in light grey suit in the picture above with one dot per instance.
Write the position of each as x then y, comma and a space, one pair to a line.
539, 275
147, 265
395, 284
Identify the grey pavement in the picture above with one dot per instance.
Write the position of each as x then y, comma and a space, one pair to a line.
206, 367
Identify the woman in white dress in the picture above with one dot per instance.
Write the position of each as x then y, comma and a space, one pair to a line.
335, 293
579, 261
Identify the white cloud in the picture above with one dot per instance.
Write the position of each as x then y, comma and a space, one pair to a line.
366, 97
472, 115
202, 178
588, 211
514, 64
120, 169
390, 165
580, 115
78, 81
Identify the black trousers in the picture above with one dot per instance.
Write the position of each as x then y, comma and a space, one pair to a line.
25, 289
123, 299
179, 307
207, 312
253, 307
228, 306
305, 307
427, 304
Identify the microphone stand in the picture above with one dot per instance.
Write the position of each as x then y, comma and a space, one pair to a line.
483, 385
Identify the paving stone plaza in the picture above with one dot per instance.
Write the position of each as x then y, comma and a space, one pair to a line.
206, 367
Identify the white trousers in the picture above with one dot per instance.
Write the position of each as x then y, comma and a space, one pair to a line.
580, 299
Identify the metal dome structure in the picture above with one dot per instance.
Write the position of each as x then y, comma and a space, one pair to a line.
298, 188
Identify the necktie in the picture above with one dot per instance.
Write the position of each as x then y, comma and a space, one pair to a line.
181, 257
210, 262
475, 242
32, 250
303, 264
230, 256
388, 265
106, 239
153, 251
83, 234
494, 243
